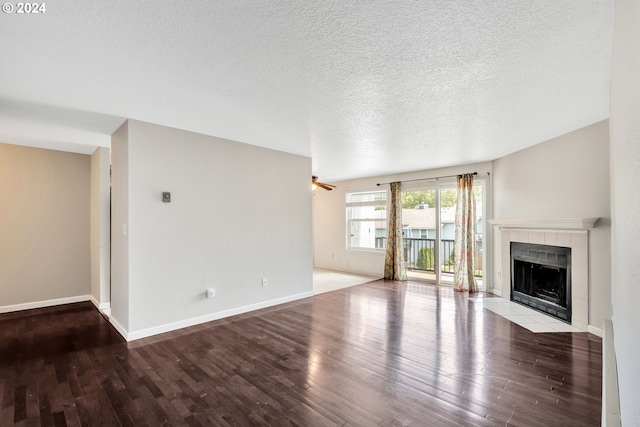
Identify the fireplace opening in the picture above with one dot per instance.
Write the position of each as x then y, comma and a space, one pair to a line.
541, 278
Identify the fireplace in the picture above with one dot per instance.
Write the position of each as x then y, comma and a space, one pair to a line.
568, 233
541, 278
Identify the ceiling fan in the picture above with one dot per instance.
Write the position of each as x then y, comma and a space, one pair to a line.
315, 184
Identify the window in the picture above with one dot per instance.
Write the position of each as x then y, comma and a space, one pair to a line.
367, 220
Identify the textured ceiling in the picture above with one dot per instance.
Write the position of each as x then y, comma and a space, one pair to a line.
364, 88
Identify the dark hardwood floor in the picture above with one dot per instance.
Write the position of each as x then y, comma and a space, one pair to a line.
384, 353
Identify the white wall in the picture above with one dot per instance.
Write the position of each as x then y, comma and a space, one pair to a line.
567, 177
625, 204
100, 227
329, 220
44, 227
238, 213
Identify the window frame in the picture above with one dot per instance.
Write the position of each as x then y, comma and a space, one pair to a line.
349, 219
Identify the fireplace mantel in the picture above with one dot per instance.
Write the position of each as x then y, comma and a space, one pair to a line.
546, 223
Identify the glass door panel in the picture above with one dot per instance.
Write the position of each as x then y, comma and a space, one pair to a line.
448, 198
419, 233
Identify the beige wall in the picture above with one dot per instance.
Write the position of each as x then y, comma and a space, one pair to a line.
567, 177
625, 204
238, 213
44, 227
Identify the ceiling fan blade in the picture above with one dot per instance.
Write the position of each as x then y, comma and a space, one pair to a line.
328, 187
325, 186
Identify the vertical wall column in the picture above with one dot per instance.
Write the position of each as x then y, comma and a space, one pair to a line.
100, 212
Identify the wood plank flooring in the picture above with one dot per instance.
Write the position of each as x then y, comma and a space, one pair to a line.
384, 353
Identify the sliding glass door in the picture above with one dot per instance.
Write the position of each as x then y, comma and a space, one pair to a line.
428, 215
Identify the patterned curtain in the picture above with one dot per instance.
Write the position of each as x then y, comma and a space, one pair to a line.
464, 247
394, 268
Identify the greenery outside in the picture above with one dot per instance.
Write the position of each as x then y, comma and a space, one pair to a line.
426, 260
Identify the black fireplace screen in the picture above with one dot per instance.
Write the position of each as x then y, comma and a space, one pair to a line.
541, 281
541, 278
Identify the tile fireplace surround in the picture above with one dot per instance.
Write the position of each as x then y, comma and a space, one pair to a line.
568, 232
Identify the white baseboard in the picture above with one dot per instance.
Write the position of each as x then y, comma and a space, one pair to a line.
121, 330
44, 303
100, 305
595, 331
497, 292
611, 416
168, 327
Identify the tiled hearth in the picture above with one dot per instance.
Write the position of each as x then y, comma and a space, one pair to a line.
526, 317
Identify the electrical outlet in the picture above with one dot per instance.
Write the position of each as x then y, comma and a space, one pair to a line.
265, 282
211, 293
499, 274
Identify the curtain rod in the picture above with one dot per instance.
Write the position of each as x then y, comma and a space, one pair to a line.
428, 179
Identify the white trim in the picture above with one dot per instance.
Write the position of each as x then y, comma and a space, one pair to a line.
611, 416
100, 306
496, 291
43, 304
119, 328
168, 327
544, 230
595, 331
546, 223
